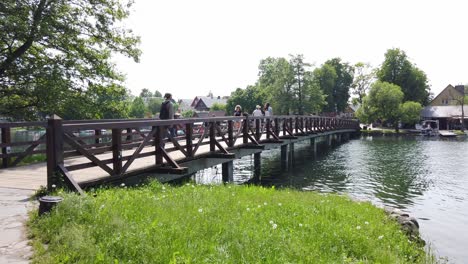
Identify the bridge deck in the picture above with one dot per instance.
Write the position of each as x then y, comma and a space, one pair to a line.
35, 175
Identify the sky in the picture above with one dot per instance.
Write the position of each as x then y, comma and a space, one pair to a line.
193, 47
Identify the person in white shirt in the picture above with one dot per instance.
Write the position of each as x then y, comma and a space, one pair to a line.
257, 111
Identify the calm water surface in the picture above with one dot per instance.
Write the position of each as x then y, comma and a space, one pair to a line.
426, 177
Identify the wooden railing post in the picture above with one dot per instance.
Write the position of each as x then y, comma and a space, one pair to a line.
158, 144
97, 132
6, 139
285, 124
245, 130
257, 129
291, 125
277, 129
230, 142
54, 149
189, 139
129, 134
117, 150
268, 128
212, 137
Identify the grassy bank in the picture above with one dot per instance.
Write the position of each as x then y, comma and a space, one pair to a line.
217, 224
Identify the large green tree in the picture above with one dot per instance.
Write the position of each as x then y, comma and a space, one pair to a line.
385, 103
138, 108
247, 98
56, 52
397, 69
338, 94
277, 77
364, 75
289, 86
382, 103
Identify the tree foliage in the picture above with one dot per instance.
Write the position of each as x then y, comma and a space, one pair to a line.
382, 103
289, 85
145, 93
336, 83
138, 108
218, 107
154, 105
397, 69
410, 112
56, 52
385, 103
157, 94
364, 76
247, 98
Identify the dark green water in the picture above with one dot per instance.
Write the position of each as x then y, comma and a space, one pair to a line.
426, 177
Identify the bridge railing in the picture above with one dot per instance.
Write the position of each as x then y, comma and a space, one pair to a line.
114, 145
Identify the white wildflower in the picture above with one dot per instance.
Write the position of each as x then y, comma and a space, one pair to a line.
300, 225
271, 222
200, 210
248, 209
380, 237
280, 204
265, 203
366, 222
358, 227
122, 184
164, 188
274, 226
259, 206
53, 185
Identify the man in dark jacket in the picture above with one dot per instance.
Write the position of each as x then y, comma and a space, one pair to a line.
167, 111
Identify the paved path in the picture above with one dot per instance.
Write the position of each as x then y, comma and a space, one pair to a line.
14, 204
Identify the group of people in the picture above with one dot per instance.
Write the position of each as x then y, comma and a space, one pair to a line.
267, 110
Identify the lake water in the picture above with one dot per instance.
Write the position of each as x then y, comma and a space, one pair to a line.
427, 177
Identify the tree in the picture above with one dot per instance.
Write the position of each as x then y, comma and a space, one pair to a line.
137, 109
145, 93
154, 105
288, 86
299, 84
247, 98
61, 48
340, 91
397, 69
410, 112
383, 103
363, 78
218, 107
277, 77
325, 78
157, 94
188, 113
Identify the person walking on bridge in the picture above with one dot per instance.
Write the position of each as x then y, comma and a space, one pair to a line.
167, 111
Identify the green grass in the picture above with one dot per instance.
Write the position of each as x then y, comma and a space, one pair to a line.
217, 224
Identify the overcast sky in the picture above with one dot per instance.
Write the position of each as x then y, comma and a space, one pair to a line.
193, 47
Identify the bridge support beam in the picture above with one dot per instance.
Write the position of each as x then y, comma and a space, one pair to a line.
329, 140
291, 154
257, 165
313, 145
284, 157
228, 171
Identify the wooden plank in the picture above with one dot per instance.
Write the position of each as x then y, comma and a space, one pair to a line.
69, 180
117, 151
6, 149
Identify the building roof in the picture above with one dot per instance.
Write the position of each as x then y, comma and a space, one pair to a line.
445, 111
208, 101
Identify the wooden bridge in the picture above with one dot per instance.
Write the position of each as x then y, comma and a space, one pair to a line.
89, 152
